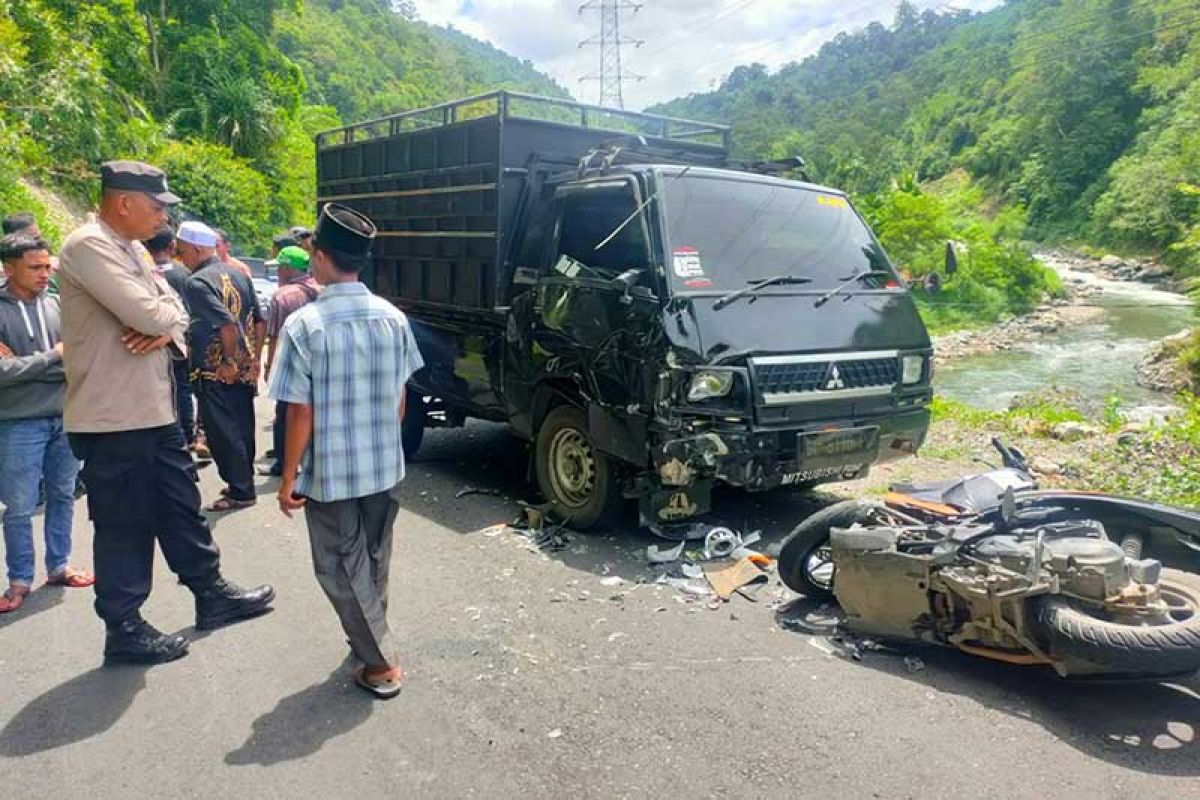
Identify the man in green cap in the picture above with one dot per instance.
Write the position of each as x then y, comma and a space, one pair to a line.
296, 289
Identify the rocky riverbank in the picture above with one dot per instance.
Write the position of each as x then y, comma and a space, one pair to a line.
1116, 268
1163, 368
1075, 308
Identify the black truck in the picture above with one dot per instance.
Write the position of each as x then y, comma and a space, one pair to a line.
651, 314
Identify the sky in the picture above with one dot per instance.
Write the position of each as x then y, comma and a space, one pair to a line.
690, 45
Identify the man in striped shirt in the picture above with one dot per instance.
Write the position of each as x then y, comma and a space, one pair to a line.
341, 366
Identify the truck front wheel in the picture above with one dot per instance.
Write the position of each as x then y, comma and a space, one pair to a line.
579, 481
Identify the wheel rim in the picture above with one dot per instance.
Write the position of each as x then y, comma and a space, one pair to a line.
1181, 604
572, 467
819, 567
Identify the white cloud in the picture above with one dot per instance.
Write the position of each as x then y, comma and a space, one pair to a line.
690, 45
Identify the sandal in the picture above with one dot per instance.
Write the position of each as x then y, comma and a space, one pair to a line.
71, 578
13, 598
382, 688
227, 503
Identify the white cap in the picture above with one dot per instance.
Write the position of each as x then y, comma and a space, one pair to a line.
197, 233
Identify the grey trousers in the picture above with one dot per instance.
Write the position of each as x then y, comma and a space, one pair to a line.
352, 550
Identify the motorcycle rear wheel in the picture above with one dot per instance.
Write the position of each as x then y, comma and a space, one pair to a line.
805, 562
1095, 645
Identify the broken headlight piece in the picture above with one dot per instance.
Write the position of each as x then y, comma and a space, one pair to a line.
709, 383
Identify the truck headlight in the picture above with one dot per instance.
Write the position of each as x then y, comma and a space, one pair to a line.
709, 384
912, 368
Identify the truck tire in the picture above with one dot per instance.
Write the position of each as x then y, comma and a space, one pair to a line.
804, 564
579, 481
412, 427
1074, 635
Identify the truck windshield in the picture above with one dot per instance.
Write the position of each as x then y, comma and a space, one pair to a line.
726, 233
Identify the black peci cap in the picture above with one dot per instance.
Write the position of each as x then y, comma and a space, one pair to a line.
284, 240
134, 176
346, 230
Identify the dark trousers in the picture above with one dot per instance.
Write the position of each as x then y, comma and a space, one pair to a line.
140, 490
352, 553
279, 433
227, 413
185, 403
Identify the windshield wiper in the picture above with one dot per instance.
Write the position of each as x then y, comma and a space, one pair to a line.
754, 286
858, 276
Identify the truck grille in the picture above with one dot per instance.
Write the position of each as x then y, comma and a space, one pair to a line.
793, 379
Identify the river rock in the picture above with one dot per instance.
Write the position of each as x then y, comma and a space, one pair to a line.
1161, 368
1111, 261
1155, 272
1073, 431
1044, 466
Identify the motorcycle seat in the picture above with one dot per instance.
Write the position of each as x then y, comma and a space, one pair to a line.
971, 493
933, 492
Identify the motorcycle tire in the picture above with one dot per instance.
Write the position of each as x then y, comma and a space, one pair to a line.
807, 539
1074, 635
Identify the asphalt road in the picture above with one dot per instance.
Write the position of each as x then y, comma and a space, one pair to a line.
530, 675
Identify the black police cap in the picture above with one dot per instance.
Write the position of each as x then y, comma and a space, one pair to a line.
134, 176
343, 229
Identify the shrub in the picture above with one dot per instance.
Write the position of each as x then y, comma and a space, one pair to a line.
220, 189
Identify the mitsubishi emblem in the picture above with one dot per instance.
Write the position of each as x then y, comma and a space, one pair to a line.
835, 379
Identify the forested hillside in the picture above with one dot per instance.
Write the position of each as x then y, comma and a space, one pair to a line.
226, 95
1084, 114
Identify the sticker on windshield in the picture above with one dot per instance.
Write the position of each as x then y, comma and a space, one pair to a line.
830, 200
686, 261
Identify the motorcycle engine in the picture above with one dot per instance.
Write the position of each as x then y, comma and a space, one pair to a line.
1079, 553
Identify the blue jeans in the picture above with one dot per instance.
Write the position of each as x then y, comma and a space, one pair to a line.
33, 451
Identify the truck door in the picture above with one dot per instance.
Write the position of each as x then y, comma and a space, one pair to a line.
597, 278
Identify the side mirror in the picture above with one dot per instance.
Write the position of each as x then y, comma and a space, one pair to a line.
951, 259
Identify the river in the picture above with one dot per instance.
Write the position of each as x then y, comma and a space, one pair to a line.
1096, 359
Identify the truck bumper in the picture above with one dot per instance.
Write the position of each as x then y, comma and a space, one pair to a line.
759, 459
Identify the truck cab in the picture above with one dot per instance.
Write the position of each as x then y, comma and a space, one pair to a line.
651, 315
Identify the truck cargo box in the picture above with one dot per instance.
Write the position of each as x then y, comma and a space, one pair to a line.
444, 185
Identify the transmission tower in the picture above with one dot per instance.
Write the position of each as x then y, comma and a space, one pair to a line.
611, 75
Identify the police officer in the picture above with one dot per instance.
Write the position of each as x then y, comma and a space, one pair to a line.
122, 326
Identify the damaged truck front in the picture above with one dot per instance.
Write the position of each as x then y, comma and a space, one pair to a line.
651, 315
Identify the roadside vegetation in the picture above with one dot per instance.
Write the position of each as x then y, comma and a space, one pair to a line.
1154, 460
225, 94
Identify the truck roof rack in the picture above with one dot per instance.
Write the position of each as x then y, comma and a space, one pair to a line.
505, 104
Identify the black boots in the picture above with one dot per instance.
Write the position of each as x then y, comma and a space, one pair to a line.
136, 641
223, 602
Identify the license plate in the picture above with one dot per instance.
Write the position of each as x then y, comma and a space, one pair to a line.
838, 448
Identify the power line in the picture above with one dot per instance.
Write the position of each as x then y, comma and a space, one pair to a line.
1097, 15
702, 23
612, 75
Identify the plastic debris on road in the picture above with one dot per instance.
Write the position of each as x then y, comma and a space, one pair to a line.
727, 577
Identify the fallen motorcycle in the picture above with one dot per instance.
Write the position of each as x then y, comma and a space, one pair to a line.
1003, 573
